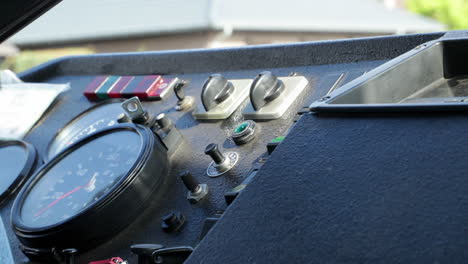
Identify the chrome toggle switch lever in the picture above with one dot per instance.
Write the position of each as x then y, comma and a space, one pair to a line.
222, 163
184, 102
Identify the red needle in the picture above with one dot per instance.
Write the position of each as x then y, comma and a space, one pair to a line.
62, 197
57, 200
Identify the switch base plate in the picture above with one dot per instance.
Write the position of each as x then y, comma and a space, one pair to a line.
226, 108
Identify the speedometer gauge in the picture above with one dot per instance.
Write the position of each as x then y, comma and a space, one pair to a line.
72, 200
93, 119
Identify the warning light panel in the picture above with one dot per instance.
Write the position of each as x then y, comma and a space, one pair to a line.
145, 87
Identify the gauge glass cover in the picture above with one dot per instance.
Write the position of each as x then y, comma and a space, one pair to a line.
86, 123
12, 161
80, 178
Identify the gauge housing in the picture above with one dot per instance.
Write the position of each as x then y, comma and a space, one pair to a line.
105, 217
29, 164
56, 145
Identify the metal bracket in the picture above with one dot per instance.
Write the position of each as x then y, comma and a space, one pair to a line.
134, 110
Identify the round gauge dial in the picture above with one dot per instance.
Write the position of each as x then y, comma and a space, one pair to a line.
17, 159
97, 117
82, 189
80, 179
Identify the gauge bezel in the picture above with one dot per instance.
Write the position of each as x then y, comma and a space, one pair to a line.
29, 165
97, 222
46, 154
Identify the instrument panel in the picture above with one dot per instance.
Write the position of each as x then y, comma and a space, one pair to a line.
145, 152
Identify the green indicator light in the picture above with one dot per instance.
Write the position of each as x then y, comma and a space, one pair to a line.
278, 139
241, 127
102, 92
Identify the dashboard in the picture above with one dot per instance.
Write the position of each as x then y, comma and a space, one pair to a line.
208, 156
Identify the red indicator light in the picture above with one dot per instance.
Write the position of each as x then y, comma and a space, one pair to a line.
115, 260
144, 86
159, 89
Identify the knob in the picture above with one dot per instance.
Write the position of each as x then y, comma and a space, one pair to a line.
265, 88
145, 252
215, 91
172, 221
196, 191
69, 255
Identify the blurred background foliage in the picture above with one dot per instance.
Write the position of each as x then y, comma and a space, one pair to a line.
453, 13
29, 58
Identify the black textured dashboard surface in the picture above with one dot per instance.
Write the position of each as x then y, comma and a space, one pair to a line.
353, 189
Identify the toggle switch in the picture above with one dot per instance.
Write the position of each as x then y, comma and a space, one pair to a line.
271, 96
221, 163
220, 97
184, 102
212, 150
164, 122
167, 131
196, 191
179, 92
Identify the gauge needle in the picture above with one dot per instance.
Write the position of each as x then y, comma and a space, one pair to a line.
91, 182
57, 200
